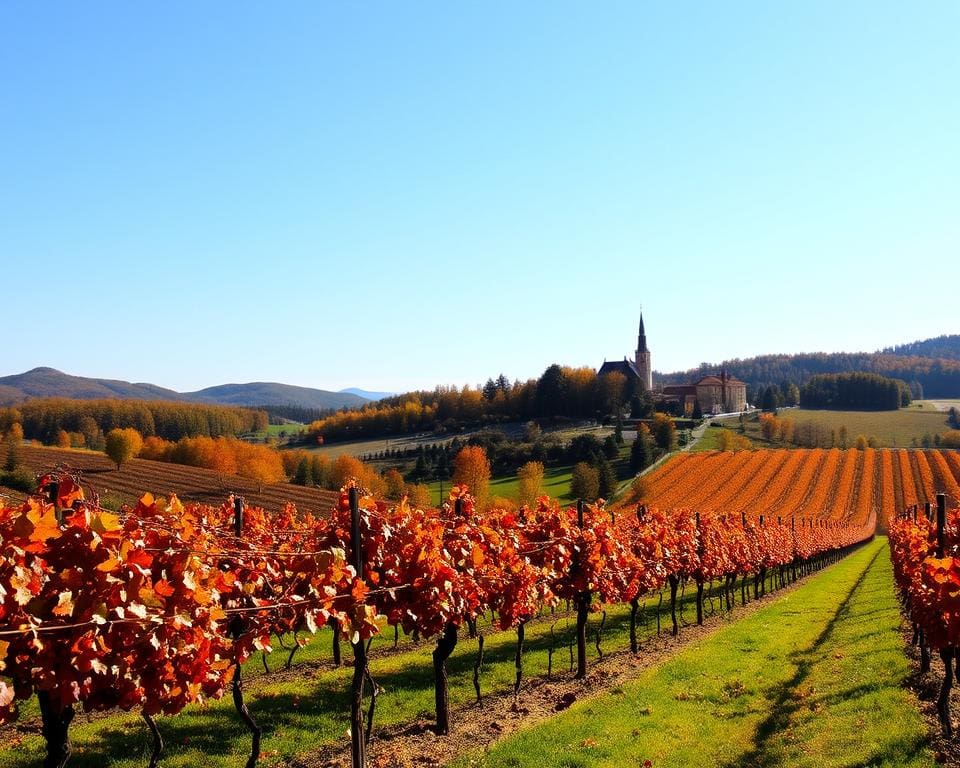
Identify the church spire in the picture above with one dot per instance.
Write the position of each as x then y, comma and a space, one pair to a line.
642, 337
643, 358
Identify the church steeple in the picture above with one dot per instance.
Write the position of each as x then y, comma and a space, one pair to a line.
643, 358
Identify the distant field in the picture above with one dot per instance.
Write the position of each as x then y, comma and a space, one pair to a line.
404, 442
942, 405
894, 429
138, 476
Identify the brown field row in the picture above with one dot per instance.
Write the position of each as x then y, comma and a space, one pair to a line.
817, 483
139, 476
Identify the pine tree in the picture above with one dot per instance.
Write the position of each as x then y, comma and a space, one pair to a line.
607, 478
304, 473
12, 441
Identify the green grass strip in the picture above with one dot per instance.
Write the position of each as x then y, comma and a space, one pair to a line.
310, 710
813, 679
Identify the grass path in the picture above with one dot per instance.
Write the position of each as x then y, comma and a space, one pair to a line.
813, 679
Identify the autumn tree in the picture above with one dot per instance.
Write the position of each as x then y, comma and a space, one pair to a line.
121, 445
664, 432
320, 469
418, 495
584, 482
12, 442
613, 389
768, 426
639, 488
345, 468
472, 468
396, 487
260, 464
531, 482
730, 441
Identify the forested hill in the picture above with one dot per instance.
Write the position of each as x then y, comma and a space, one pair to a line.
946, 347
49, 382
936, 377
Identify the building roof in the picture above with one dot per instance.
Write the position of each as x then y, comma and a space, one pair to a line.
680, 390
716, 381
709, 381
627, 367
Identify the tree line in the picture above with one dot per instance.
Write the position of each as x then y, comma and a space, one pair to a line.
86, 422
926, 376
561, 392
854, 391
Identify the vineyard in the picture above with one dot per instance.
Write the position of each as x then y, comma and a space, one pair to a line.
192, 484
158, 606
829, 484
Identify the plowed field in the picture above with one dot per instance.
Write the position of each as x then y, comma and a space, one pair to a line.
815, 483
161, 479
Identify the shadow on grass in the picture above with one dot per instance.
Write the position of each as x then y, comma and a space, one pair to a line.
784, 701
320, 706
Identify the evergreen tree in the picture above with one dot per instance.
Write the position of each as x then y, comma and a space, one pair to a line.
606, 477
610, 447
13, 440
697, 412
643, 450
304, 473
770, 399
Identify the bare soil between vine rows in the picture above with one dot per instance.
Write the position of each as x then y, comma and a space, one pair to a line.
926, 688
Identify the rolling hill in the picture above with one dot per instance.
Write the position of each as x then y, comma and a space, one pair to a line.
933, 364
49, 382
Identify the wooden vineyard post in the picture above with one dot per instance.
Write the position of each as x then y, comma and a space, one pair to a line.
946, 654
358, 746
700, 574
236, 629
583, 607
793, 537
445, 645
635, 602
743, 580
56, 725
941, 521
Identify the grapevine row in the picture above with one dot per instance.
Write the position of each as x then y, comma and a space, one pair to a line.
159, 606
925, 550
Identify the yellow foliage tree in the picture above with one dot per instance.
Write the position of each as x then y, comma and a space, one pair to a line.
396, 487
472, 468
584, 482
418, 495
121, 445
531, 482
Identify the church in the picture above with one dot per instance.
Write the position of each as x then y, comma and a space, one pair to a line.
715, 394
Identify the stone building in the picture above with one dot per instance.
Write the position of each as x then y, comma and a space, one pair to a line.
715, 394
638, 370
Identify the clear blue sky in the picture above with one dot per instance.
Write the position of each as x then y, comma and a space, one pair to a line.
396, 195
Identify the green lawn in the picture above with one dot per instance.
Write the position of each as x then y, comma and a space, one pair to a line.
815, 679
